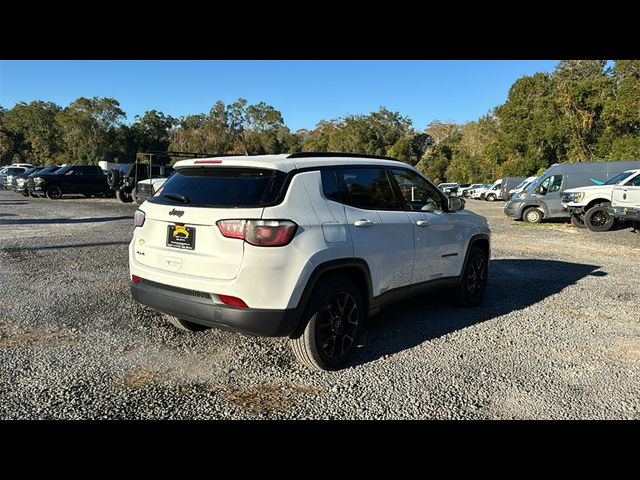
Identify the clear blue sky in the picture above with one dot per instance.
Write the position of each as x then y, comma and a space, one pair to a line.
304, 91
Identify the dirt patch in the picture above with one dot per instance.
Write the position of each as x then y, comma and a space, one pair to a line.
263, 399
18, 254
39, 336
139, 377
625, 354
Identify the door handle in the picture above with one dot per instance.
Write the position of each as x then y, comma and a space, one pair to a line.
423, 223
364, 223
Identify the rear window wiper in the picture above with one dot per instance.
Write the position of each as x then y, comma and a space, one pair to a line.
177, 197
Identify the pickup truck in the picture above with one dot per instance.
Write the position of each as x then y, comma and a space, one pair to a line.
589, 206
87, 180
625, 204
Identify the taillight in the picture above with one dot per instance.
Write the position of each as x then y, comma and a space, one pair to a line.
138, 218
261, 233
233, 301
206, 162
135, 279
232, 228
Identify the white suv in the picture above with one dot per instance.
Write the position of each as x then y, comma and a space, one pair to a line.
305, 245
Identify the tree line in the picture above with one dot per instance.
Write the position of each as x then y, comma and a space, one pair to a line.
582, 111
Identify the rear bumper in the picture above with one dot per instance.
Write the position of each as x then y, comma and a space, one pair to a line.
202, 310
625, 213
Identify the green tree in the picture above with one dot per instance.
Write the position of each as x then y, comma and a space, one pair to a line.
89, 129
30, 133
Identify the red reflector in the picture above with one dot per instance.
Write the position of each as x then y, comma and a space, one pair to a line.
233, 301
201, 162
135, 279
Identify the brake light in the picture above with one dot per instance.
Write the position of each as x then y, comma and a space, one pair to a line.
135, 279
138, 218
261, 233
233, 301
200, 162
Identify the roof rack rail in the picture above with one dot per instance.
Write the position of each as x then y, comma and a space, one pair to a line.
338, 154
163, 153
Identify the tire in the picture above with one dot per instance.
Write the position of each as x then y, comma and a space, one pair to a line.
470, 291
123, 196
334, 319
186, 325
597, 219
54, 192
532, 215
491, 197
578, 221
113, 176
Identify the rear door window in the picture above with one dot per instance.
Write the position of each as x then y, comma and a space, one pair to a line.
368, 188
221, 187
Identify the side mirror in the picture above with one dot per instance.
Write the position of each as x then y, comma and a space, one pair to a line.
456, 204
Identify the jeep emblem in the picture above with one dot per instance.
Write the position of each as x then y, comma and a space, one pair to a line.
177, 213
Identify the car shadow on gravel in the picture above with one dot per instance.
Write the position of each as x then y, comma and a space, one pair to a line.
44, 221
514, 284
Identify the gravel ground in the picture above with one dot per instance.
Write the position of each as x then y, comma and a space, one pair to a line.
558, 335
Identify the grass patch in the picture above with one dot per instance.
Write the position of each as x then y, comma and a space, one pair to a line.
38, 336
263, 399
139, 377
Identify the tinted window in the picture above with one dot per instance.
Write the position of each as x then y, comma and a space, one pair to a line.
417, 193
63, 170
330, 186
368, 188
222, 187
635, 182
618, 178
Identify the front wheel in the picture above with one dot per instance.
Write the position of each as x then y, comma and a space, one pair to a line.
598, 219
54, 192
491, 197
532, 215
331, 326
470, 291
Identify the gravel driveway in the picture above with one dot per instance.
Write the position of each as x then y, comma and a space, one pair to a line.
558, 335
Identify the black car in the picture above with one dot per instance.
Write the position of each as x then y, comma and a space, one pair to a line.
19, 182
80, 179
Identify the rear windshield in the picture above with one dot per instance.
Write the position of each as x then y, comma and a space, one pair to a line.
221, 187
618, 178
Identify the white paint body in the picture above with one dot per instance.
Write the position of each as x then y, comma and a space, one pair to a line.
397, 251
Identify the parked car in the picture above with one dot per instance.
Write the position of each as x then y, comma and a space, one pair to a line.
305, 245
476, 193
8, 171
18, 183
508, 183
625, 203
449, 188
492, 192
80, 179
543, 197
124, 179
10, 179
520, 187
147, 188
588, 206
466, 191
